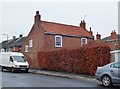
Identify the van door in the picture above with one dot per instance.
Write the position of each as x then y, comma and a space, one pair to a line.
11, 62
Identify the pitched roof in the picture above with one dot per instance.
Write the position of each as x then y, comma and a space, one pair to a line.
13, 42
58, 28
7, 43
109, 38
18, 42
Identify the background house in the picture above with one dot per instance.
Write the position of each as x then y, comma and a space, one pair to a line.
12, 45
114, 43
115, 55
113, 40
46, 36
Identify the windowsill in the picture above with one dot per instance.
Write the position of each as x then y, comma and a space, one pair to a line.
83, 44
26, 51
58, 46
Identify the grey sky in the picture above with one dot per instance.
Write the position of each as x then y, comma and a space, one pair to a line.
18, 17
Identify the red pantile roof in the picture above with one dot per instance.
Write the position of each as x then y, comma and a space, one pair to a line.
57, 28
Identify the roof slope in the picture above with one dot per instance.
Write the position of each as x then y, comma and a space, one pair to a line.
12, 42
57, 28
6, 44
18, 42
109, 38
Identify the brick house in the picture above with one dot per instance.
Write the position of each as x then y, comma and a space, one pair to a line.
46, 36
113, 40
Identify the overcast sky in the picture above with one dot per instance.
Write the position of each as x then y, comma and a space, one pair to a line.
18, 17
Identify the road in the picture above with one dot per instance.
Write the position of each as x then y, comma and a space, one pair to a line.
36, 80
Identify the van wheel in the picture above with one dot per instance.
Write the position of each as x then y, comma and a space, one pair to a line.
12, 70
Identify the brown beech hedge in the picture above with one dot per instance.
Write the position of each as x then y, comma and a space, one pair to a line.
83, 60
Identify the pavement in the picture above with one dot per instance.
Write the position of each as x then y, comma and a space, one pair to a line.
63, 74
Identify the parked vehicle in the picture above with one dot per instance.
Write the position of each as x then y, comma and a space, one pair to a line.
13, 61
109, 74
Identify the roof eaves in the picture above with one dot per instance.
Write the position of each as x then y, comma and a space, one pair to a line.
68, 35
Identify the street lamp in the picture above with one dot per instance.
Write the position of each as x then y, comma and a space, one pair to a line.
6, 35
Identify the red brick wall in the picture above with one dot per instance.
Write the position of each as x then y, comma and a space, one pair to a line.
37, 36
67, 42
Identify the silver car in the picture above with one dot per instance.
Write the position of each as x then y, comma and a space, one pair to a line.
109, 74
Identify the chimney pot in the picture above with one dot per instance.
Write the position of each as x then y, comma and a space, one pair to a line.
37, 17
14, 37
83, 24
83, 21
21, 36
37, 12
91, 31
113, 35
90, 28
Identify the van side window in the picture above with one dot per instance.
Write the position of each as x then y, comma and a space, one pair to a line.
11, 59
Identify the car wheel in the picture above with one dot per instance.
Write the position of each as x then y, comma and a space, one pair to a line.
106, 81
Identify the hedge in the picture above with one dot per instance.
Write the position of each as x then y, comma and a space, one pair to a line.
83, 60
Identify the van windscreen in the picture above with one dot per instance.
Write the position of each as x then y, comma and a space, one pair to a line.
19, 58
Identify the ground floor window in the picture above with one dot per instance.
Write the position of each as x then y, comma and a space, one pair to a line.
26, 48
58, 41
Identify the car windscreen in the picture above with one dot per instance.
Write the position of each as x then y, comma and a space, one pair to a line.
19, 58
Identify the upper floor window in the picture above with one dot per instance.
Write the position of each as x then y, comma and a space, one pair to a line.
30, 43
83, 41
58, 41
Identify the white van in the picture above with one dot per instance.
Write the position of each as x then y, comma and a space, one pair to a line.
13, 61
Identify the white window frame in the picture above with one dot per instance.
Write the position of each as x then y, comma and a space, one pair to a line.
55, 41
31, 43
26, 48
82, 41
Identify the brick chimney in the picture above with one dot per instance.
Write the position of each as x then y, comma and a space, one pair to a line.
98, 36
113, 35
83, 24
37, 17
91, 31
